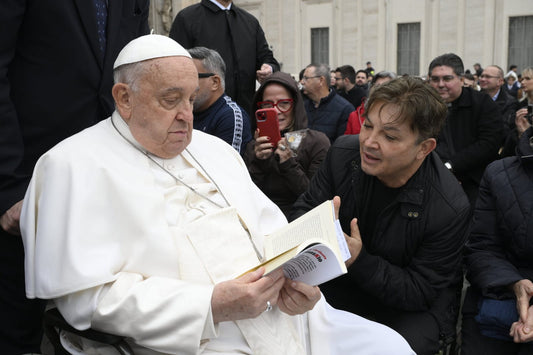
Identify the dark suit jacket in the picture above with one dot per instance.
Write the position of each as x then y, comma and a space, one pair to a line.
54, 80
243, 47
471, 137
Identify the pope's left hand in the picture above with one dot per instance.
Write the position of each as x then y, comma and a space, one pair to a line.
263, 73
297, 297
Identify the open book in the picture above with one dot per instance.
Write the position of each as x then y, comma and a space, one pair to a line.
311, 249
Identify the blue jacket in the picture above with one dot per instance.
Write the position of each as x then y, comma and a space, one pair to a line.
226, 120
331, 115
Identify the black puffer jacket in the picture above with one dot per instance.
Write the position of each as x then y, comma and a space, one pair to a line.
412, 262
500, 248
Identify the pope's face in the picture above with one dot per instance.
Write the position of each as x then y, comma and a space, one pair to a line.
389, 148
160, 115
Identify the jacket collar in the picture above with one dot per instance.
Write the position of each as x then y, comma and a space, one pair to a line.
324, 100
214, 7
465, 99
412, 195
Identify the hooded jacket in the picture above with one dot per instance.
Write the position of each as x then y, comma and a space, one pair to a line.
284, 182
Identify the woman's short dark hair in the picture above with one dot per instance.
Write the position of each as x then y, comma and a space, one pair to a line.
418, 104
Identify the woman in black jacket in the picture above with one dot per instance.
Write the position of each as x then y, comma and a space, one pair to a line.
499, 258
283, 172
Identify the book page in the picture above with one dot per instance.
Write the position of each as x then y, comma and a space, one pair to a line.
315, 224
343, 246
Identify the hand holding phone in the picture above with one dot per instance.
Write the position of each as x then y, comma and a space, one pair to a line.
267, 122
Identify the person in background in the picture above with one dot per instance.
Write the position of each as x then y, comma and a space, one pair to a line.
369, 70
56, 62
215, 112
333, 80
345, 85
361, 80
497, 310
470, 81
356, 118
478, 70
326, 110
523, 115
405, 214
284, 172
491, 82
239, 39
472, 132
512, 84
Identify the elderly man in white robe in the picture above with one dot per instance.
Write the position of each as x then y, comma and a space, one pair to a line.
138, 226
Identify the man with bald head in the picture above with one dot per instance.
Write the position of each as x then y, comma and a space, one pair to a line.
139, 226
491, 82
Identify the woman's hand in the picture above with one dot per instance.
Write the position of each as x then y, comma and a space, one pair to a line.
521, 121
263, 148
283, 150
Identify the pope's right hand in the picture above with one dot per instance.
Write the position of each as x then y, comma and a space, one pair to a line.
247, 296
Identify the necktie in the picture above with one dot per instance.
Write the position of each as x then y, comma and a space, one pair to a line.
101, 22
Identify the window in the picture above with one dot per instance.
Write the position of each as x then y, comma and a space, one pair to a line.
408, 55
320, 45
520, 42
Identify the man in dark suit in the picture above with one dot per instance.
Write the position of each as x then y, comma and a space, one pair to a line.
472, 132
239, 39
55, 80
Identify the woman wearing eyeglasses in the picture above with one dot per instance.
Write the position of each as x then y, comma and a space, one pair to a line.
283, 172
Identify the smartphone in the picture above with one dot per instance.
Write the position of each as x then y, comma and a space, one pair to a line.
529, 112
267, 122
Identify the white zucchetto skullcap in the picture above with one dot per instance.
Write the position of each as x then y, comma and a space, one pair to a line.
149, 47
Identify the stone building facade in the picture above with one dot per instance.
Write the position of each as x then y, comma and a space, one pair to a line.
398, 35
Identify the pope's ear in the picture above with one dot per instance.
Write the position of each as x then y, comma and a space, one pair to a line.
122, 96
426, 147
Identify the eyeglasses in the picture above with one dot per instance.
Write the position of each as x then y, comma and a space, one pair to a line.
205, 75
283, 105
445, 78
305, 78
485, 76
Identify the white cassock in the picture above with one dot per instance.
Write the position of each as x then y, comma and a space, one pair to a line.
121, 247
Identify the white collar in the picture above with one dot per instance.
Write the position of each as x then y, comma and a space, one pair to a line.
219, 5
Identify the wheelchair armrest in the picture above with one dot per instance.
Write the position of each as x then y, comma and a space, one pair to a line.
53, 319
